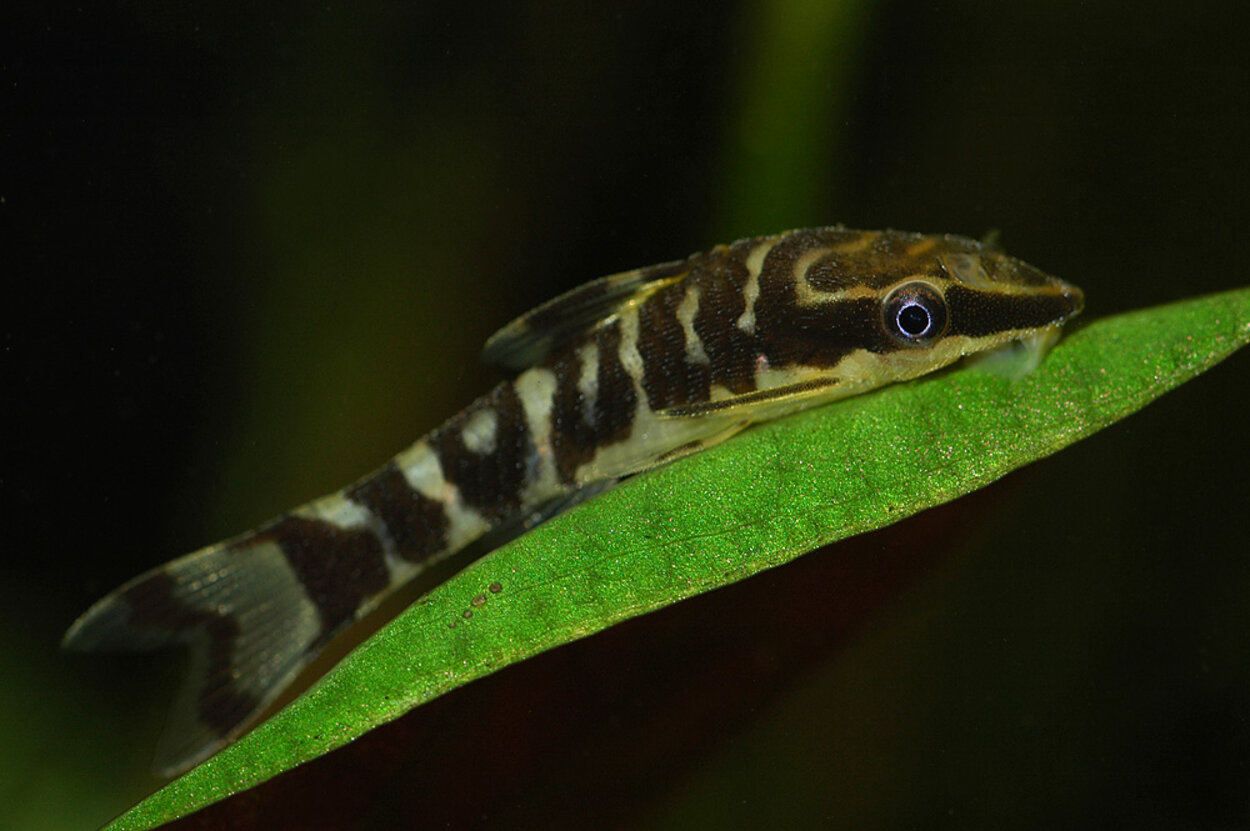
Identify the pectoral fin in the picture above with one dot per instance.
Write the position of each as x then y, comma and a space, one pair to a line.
772, 400
693, 447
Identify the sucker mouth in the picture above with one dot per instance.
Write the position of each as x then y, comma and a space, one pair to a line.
1075, 299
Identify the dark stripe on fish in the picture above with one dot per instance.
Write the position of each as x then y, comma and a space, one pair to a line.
669, 376
489, 483
732, 352
616, 400
416, 524
154, 604
338, 568
813, 336
821, 336
834, 272
978, 313
574, 437
777, 272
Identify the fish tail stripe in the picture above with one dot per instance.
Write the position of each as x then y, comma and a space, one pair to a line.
156, 603
339, 569
415, 524
249, 615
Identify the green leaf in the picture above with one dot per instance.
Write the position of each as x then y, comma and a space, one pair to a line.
778, 491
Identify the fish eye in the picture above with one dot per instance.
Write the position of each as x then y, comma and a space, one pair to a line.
914, 314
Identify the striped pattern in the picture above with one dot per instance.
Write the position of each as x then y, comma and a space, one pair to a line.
618, 376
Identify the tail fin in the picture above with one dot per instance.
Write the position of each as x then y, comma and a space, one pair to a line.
252, 611
255, 610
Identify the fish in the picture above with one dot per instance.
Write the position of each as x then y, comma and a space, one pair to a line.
611, 379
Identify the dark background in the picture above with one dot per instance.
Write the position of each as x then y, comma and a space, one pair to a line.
249, 253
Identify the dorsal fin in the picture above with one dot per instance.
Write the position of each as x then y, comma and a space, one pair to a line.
543, 329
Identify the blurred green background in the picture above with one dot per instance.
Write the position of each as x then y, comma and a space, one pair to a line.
253, 250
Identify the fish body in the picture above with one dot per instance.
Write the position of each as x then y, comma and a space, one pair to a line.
613, 378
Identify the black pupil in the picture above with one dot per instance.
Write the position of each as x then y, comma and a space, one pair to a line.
913, 319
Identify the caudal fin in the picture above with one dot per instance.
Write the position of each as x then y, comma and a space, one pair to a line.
252, 613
